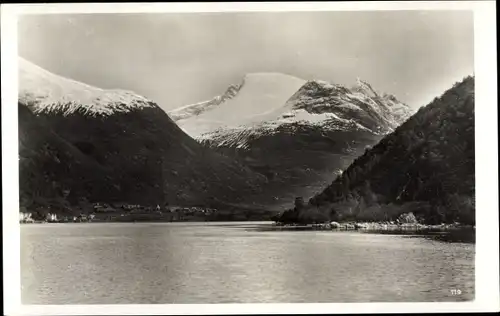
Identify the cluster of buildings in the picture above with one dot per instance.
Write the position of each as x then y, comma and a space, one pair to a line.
107, 212
132, 208
190, 210
25, 217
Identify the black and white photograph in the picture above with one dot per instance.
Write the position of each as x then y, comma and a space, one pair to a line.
214, 155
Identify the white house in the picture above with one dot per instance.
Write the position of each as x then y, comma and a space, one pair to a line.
51, 217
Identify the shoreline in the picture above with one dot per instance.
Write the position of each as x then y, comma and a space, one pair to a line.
375, 226
98, 221
345, 226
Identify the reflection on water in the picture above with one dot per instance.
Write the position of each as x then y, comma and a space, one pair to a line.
453, 236
460, 235
239, 263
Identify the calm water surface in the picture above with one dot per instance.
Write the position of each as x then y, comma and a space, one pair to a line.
144, 263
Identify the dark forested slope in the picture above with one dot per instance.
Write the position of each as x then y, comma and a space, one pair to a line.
81, 142
427, 162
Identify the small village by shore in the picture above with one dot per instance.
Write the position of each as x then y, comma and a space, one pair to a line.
121, 213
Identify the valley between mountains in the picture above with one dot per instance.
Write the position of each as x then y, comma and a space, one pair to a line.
247, 153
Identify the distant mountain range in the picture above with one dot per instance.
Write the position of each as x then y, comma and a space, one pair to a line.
81, 142
297, 133
271, 99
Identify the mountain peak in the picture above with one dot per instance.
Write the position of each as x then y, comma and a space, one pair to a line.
44, 91
364, 87
361, 103
322, 83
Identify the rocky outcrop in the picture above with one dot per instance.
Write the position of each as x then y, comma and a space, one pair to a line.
334, 225
407, 218
360, 226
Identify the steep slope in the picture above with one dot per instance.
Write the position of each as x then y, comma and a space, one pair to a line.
304, 142
122, 139
52, 171
429, 160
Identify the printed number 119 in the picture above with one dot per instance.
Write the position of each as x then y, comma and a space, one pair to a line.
455, 292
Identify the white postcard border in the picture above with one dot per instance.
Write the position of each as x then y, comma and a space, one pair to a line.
487, 278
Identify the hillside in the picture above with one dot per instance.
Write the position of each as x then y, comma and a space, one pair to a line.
53, 172
302, 143
425, 166
115, 146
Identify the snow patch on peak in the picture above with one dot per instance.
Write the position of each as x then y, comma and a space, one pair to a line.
261, 98
293, 121
189, 110
326, 120
365, 87
46, 92
324, 84
361, 103
301, 115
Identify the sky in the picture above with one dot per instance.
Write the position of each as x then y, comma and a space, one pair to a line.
177, 59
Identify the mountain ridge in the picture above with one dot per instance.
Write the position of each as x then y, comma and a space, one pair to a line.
382, 109
46, 92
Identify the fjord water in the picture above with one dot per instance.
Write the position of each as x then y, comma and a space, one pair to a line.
148, 263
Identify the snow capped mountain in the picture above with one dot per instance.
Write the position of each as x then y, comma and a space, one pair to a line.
266, 100
241, 136
303, 137
114, 146
317, 103
46, 92
197, 108
364, 88
380, 114
261, 94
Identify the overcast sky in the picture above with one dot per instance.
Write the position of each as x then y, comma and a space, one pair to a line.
177, 59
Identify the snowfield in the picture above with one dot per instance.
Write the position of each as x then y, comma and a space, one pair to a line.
267, 101
261, 95
197, 108
44, 91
